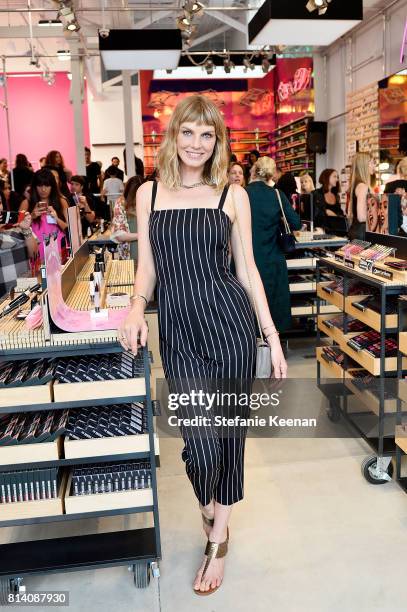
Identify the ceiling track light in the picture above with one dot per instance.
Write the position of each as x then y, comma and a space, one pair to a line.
195, 9
66, 15
209, 66
318, 5
265, 65
228, 65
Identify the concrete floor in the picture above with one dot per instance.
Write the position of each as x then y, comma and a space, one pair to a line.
311, 535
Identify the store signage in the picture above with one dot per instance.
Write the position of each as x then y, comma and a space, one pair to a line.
364, 264
301, 81
349, 263
383, 273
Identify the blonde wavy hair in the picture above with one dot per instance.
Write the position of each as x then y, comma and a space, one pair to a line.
195, 109
402, 168
264, 169
359, 174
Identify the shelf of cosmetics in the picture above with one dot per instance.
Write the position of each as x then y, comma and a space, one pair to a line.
360, 342
360, 381
42, 381
375, 260
94, 431
362, 302
54, 491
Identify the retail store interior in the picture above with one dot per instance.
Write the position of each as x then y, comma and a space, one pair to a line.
96, 508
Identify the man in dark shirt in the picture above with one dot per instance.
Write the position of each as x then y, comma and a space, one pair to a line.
119, 171
93, 173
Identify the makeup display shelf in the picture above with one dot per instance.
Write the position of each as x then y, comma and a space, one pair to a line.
360, 384
401, 422
290, 148
139, 549
302, 265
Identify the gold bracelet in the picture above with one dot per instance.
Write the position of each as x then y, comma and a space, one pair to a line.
138, 295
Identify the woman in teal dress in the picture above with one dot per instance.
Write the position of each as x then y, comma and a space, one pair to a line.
270, 259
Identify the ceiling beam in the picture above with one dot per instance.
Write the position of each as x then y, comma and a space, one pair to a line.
233, 23
24, 31
144, 23
209, 35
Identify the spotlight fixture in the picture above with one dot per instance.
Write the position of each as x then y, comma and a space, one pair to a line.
196, 9
209, 66
265, 65
248, 64
184, 23
48, 77
228, 64
66, 15
318, 5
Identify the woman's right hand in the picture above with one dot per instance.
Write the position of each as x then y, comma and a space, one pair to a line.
133, 331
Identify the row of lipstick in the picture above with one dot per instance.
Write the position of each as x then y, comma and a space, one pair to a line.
366, 250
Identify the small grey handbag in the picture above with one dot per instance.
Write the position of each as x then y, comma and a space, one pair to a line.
263, 356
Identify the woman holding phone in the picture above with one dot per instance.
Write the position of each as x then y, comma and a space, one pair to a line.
48, 209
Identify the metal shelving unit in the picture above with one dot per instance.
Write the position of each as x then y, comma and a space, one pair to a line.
140, 548
375, 418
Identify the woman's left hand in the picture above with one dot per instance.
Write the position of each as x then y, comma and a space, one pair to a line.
277, 357
52, 212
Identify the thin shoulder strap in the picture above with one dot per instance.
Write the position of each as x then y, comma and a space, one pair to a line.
153, 195
223, 197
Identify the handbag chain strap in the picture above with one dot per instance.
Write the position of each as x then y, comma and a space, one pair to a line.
286, 226
245, 263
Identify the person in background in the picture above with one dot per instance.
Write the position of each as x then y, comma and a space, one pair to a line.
362, 180
58, 182
138, 164
288, 185
124, 224
400, 182
326, 200
10, 200
112, 187
4, 171
115, 164
307, 184
233, 158
252, 159
55, 160
47, 207
43, 161
236, 174
82, 201
93, 174
22, 174
270, 259
17, 246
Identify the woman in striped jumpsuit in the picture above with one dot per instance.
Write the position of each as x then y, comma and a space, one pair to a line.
186, 222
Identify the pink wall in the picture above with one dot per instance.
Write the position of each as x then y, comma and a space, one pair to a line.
41, 119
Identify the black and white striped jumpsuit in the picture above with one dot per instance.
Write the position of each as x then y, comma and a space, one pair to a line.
207, 332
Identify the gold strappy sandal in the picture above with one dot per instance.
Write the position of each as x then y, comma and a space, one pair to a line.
213, 550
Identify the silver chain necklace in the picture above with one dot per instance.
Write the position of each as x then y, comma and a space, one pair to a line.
193, 186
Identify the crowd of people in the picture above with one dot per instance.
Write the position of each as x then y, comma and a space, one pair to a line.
45, 195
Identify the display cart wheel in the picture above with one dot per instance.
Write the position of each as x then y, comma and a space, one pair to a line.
141, 571
9, 586
371, 462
